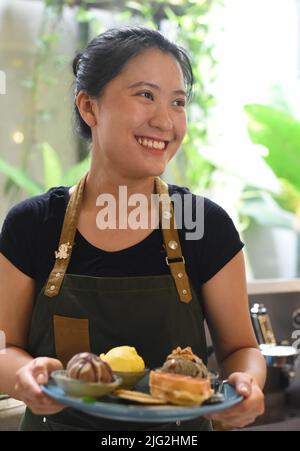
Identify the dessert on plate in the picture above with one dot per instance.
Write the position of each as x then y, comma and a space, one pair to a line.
124, 358
182, 380
88, 367
86, 375
127, 364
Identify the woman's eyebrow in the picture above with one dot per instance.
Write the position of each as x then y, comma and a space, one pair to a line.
153, 85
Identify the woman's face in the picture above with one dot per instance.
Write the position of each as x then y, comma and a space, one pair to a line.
141, 117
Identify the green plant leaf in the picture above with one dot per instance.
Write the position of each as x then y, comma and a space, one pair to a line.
76, 172
44, 116
264, 211
28, 84
50, 38
289, 199
20, 178
279, 132
84, 15
52, 166
135, 6
170, 14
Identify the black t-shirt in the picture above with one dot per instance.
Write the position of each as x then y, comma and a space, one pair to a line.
31, 232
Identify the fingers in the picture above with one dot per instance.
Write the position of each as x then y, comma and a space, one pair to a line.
248, 410
51, 364
26, 380
236, 420
237, 416
37, 372
43, 366
38, 402
49, 407
27, 386
242, 383
42, 405
234, 424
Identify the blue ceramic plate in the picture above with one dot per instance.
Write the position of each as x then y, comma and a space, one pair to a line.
117, 409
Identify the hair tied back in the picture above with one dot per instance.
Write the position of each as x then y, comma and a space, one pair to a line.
76, 63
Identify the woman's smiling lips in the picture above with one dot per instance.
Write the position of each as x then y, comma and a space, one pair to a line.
152, 143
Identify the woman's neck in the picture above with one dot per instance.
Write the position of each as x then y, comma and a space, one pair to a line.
98, 183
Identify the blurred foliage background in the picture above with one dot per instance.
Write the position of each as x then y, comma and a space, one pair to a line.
189, 24
253, 173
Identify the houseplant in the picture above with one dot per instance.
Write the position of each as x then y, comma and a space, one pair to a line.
279, 133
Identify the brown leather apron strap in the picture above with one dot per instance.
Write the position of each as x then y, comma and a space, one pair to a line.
66, 241
175, 259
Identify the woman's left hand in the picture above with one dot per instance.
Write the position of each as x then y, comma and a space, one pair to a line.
249, 409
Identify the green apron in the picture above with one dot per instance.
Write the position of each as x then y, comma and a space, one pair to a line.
75, 313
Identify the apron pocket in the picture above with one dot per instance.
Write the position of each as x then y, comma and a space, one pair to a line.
71, 336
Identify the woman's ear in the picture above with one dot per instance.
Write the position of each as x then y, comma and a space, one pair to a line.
86, 108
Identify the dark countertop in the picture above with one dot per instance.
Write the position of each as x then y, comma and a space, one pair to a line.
289, 424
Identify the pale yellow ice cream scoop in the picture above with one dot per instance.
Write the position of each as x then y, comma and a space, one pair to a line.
124, 358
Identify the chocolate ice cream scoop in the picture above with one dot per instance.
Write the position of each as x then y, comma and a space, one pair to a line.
184, 361
89, 367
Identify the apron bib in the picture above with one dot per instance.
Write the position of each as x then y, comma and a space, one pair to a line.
75, 313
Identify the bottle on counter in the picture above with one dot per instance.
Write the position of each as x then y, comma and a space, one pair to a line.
262, 325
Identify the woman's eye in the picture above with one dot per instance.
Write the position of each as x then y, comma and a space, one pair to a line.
180, 102
147, 95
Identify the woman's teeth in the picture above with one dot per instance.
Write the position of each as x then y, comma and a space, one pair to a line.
151, 144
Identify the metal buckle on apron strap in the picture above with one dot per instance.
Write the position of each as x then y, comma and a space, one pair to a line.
177, 268
175, 260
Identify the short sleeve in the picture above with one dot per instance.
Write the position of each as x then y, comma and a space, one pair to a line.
221, 240
18, 237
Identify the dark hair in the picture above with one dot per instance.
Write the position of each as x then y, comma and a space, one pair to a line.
106, 55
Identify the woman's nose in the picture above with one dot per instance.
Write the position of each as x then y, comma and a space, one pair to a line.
161, 119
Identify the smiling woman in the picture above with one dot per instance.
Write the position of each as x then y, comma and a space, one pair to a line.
147, 118
68, 285
141, 103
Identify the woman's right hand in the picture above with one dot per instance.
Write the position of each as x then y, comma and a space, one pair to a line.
27, 386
